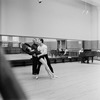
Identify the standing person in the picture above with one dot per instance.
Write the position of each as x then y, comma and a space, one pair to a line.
81, 55
32, 50
43, 49
34, 57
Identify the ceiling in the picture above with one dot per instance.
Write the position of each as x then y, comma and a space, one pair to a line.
93, 2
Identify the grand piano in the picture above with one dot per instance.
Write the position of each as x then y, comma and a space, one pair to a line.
87, 55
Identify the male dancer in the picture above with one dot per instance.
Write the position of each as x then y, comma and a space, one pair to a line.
44, 47
34, 57
32, 50
38, 60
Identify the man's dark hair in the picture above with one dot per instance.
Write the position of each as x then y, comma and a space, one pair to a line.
42, 40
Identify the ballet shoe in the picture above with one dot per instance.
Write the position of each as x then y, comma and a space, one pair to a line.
55, 76
51, 77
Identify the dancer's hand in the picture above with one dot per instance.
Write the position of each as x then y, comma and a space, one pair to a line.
38, 55
29, 48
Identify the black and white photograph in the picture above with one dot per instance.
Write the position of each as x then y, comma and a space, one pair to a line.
49, 49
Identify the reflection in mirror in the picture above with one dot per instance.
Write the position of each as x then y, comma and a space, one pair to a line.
4, 38
52, 46
15, 39
4, 44
56, 47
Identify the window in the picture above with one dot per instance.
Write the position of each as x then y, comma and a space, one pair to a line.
15, 39
4, 38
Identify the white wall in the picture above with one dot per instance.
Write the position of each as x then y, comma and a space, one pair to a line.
51, 18
99, 23
94, 23
99, 28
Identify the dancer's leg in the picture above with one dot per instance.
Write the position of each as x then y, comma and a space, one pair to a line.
34, 65
38, 69
49, 65
46, 67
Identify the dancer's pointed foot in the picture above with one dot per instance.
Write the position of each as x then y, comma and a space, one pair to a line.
51, 77
55, 76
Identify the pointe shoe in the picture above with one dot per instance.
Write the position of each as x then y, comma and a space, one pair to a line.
55, 76
52, 77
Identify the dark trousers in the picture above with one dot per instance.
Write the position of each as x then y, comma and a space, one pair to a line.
48, 63
34, 65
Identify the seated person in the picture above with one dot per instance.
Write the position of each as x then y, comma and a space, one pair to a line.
66, 52
81, 50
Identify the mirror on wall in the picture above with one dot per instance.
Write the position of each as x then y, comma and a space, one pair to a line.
12, 44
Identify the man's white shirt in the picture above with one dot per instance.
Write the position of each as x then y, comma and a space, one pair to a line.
42, 49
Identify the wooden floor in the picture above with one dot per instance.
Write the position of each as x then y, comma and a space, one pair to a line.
76, 82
